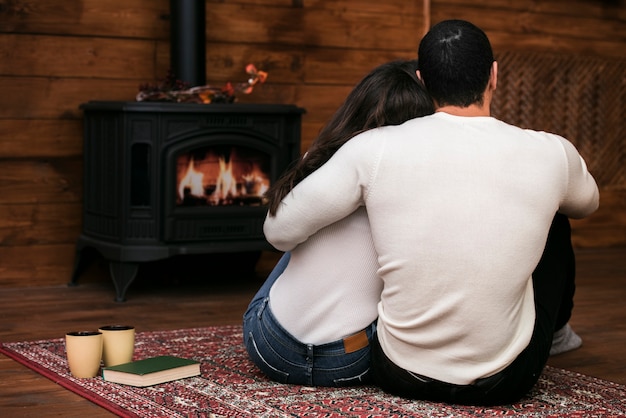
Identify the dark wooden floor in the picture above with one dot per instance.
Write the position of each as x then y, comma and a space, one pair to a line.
168, 296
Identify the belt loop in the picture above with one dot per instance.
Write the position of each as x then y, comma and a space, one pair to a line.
259, 312
310, 363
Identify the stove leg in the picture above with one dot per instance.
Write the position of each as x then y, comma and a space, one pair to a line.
123, 275
78, 268
82, 259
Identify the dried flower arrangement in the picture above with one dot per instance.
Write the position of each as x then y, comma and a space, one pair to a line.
172, 90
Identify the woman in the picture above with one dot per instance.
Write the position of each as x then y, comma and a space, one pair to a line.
313, 319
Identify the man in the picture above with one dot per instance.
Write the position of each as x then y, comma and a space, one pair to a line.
460, 206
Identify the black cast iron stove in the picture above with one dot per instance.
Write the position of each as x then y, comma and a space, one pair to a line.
166, 179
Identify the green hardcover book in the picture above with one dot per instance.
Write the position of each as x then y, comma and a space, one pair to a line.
151, 371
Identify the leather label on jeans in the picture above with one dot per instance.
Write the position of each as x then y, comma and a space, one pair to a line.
355, 342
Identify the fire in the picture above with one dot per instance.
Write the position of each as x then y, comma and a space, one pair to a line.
216, 180
255, 185
226, 187
192, 181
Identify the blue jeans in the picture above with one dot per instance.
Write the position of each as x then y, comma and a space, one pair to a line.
285, 359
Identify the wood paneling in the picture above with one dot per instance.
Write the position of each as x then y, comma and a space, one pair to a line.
37, 265
56, 55
37, 98
112, 18
48, 138
579, 26
85, 57
39, 223
40, 181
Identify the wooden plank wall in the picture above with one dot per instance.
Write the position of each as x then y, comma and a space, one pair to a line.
57, 54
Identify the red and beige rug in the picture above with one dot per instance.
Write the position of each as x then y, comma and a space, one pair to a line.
230, 386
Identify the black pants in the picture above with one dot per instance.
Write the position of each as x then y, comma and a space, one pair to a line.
553, 282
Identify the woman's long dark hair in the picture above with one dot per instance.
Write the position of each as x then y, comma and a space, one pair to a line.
389, 95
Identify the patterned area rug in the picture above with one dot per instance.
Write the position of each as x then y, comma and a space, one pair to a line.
231, 386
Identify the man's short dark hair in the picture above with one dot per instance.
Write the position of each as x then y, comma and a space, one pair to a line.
455, 59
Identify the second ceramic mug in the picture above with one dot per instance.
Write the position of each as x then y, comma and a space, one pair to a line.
118, 344
84, 350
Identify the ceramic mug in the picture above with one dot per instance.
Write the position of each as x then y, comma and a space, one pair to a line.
118, 344
84, 351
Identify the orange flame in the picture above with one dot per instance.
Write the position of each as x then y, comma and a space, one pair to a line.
191, 181
226, 186
218, 180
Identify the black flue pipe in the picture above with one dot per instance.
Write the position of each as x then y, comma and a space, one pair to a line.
188, 41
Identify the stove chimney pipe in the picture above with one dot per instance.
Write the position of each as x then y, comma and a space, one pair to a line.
188, 41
